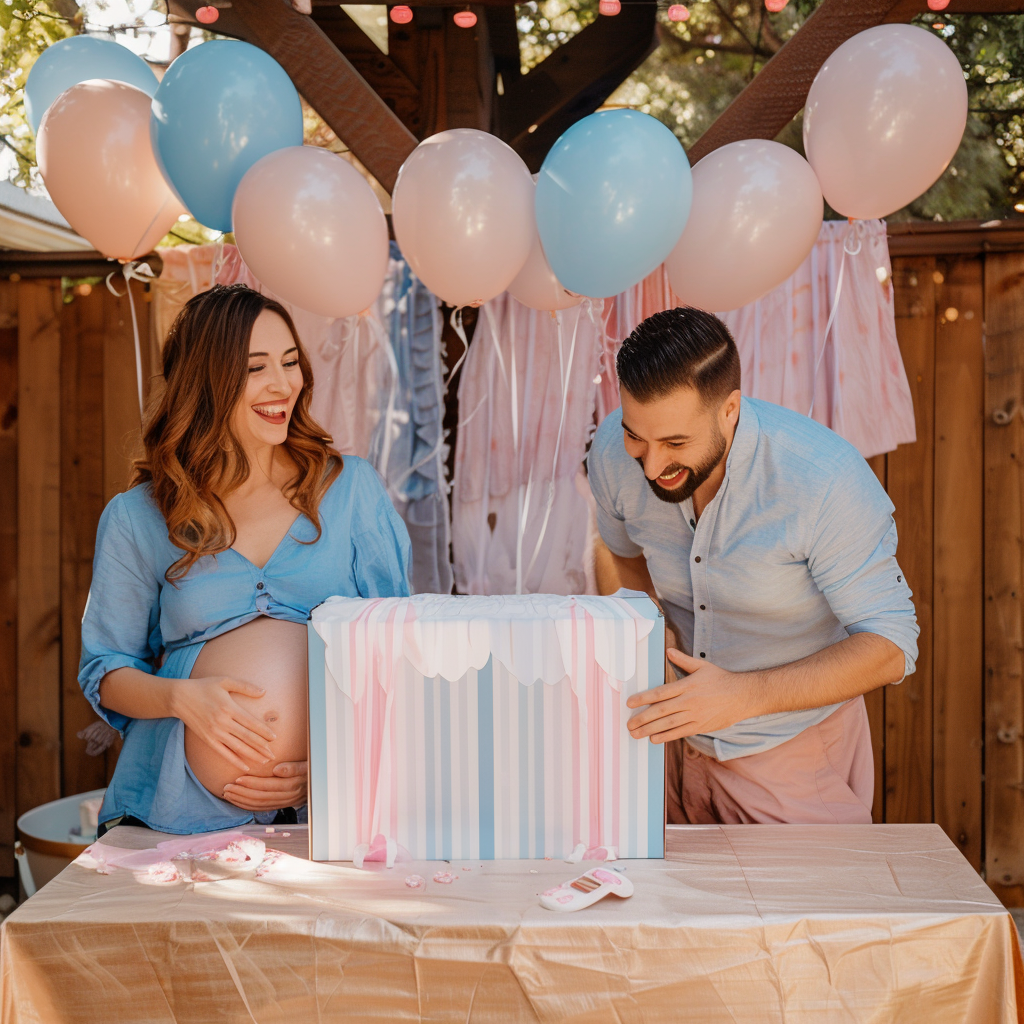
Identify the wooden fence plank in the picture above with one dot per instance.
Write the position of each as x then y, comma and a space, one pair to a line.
958, 645
875, 700
82, 485
39, 662
1004, 629
908, 707
121, 419
9, 577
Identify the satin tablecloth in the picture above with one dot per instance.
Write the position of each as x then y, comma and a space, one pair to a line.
747, 923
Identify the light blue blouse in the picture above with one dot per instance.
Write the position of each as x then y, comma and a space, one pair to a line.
133, 616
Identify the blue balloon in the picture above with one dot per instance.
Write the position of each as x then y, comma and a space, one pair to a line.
77, 59
612, 200
221, 106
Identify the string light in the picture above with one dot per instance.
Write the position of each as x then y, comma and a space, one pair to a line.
401, 15
678, 12
775, 5
464, 19
207, 15
609, 8
937, 5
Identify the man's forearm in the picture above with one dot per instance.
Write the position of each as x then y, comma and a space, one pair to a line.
854, 666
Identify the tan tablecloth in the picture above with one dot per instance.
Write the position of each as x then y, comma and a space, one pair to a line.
749, 923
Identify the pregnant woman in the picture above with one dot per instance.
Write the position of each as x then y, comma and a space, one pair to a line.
239, 520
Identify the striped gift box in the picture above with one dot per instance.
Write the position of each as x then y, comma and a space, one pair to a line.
483, 727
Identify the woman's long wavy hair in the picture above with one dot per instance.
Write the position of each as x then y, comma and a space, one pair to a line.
189, 446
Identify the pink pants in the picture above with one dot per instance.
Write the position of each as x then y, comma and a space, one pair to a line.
826, 775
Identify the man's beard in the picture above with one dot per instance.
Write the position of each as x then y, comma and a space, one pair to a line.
695, 476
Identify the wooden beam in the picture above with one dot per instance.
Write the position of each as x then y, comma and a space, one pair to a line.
924, 238
574, 80
779, 91
905, 10
453, 68
393, 86
328, 81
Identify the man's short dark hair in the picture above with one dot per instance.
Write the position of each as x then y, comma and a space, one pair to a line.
683, 347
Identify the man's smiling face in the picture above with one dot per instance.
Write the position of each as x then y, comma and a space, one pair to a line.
677, 439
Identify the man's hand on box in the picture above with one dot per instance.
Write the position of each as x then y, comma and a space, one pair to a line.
706, 699
285, 788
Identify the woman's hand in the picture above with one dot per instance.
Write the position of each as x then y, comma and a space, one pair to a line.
286, 788
206, 707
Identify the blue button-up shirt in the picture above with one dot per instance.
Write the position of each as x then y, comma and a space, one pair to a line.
795, 552
133, 617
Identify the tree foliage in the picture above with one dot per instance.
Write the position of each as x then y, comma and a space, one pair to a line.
27, 27
702, 64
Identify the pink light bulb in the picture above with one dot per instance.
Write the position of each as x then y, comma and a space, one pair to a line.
678, 12
775, 5
465, 19
937, 5
609, 7
401, 15
207, 15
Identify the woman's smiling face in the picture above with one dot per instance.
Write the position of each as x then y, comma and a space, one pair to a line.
273, 385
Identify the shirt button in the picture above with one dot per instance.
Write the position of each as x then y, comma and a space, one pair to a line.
702, 654
703, 607
259, 586
899, 579
693, 523
697, 559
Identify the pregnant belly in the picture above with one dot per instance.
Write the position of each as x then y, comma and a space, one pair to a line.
272, 654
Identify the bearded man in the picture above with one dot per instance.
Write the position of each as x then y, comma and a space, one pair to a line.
771, 548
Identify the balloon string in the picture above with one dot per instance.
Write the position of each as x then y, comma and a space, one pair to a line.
566, 372
133, 271
456, 322
383, 338
847, 251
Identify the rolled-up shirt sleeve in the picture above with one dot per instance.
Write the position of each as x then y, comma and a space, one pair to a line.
610, 523
121, 611
853, 561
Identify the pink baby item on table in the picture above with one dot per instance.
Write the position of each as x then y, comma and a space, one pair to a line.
586, 890
483, 728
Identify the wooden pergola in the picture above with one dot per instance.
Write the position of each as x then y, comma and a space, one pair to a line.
437, 76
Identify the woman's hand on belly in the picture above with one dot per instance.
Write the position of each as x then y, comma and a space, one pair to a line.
285, 788
206, 707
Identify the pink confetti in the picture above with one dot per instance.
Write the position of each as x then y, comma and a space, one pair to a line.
270, 830
467, 869
285, 835
445, 877
415, 881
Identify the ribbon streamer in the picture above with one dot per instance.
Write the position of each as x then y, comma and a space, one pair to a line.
847, 251
133, 270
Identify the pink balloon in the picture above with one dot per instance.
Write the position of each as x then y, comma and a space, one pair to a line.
309, 227
463, 215
756, 214
536, 285
97, 163
884, 117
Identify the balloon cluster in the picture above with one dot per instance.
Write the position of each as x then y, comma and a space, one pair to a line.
221, 137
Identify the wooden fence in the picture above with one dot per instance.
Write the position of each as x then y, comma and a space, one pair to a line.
69, 417
949, 741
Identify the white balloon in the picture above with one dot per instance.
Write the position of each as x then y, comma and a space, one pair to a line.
756, 214
883, 119
536, 285
310, 228
462, 209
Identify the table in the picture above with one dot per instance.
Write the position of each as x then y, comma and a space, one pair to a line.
745, 923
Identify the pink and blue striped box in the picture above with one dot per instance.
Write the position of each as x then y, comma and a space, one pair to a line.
483, 728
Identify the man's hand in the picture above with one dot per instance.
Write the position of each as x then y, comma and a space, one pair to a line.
285, 788
705, 700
